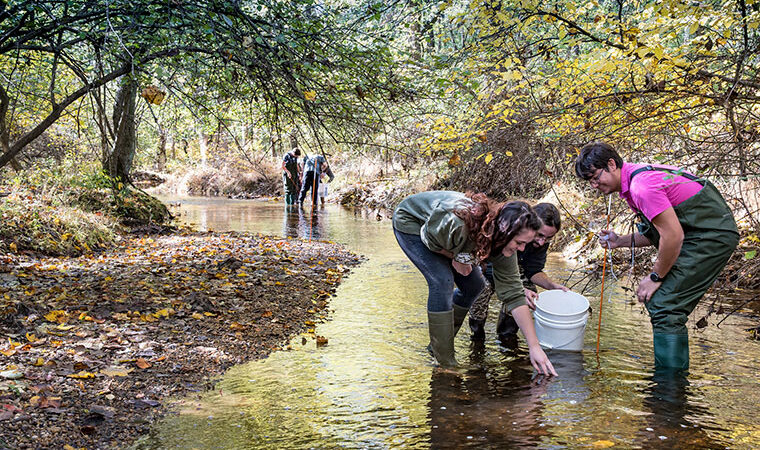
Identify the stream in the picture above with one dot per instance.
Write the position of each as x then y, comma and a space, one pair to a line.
375, 386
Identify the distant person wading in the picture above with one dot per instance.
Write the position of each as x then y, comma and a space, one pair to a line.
291, 176
314, 166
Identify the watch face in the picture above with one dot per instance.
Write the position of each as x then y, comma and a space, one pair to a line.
654, 277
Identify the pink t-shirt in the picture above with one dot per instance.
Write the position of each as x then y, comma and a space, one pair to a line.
653, 191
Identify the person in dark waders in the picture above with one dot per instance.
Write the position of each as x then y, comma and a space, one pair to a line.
445, 234
531, 262
688, 221
291, 176
314, 166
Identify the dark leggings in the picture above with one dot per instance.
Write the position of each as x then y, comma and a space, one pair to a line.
441, 276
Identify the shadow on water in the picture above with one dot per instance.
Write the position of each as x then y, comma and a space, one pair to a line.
374, 385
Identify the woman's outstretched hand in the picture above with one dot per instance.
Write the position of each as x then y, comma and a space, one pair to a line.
540, 361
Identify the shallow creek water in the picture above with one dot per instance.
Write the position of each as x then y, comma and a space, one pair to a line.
374, 385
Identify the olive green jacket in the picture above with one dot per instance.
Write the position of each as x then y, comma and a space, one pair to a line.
430, 215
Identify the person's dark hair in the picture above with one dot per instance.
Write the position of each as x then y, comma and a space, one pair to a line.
549, 215
492, 225
595, 156
297, 152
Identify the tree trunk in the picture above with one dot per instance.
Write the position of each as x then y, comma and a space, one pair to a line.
161, 149
118, 162
203, 145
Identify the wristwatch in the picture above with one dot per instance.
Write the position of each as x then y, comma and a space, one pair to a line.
656, 278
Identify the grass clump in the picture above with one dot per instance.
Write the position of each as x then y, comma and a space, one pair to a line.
29, 223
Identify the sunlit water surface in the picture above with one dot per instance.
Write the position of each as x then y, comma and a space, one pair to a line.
374, 385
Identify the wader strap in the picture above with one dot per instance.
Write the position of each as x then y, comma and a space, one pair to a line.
645, 228
665, 169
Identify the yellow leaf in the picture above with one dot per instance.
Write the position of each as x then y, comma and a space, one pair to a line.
197, 315
116, 371
310, 95
39, 362
31, 337
489, 157
508, 153
63, 327
13, 247
82, 375
58, 316
162, 313
208, 314
603, 444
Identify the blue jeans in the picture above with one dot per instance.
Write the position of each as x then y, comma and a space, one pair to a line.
441, 276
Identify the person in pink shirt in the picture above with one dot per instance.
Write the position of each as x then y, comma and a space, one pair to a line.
688, 221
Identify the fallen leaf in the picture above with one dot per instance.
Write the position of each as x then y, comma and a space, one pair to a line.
57, 316
82, 375
321, 341
142, 363
116, 371
603, 444
11, 375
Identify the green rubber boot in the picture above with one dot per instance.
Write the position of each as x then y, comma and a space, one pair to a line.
671, 351
441, 329
459, 314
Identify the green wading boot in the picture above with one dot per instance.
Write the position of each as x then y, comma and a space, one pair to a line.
459, 314
441, 328
671, 351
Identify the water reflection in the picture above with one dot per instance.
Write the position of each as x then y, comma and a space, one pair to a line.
304, 222
674, 404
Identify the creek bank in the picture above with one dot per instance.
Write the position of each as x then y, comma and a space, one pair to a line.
94, 346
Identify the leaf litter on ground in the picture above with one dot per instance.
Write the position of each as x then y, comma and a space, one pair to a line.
92, 347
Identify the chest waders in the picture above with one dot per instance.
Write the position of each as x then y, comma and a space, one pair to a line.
290, 183
710, 238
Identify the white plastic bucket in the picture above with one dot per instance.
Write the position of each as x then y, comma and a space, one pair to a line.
560, 320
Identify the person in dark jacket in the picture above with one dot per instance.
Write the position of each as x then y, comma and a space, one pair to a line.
291, 176
688, 221
314, 166
445, 234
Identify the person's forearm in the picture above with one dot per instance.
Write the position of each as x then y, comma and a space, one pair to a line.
667, 253
543, 280
640, 240
524, 320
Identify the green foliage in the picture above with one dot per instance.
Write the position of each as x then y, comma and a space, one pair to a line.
31, 223
97, 192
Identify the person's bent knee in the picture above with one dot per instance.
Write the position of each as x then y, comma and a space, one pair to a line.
668, 322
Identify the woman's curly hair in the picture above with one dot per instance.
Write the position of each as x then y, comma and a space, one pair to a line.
492, 224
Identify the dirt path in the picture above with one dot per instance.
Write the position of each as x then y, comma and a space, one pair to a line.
93, 347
